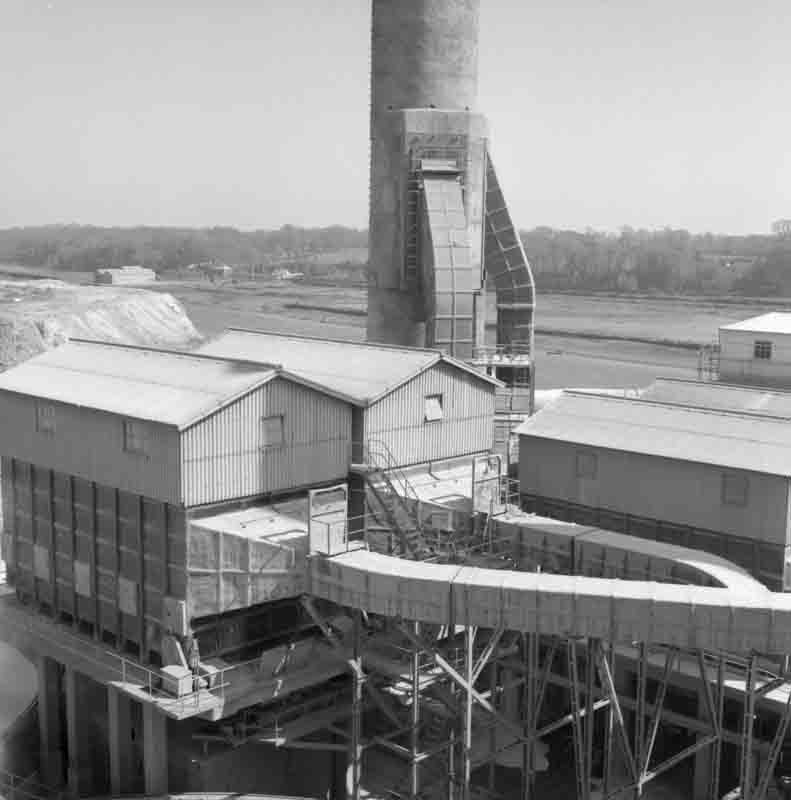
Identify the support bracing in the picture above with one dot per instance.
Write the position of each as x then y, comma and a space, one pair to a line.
639, 722
609, 656
774, 752
590, 716
414, 767
469, 650
716, 757
580, 762
448, 711
748, 726
530, 647
658, 706
354, 774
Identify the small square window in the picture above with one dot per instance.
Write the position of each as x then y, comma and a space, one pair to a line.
135, 437
433, 408
45, 418
272, 433
587, 465
735, 490
762, 349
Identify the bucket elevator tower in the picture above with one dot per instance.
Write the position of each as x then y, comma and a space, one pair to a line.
447, 267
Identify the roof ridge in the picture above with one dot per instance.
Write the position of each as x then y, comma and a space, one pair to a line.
723, 385
182, 353
372, 345
647, 401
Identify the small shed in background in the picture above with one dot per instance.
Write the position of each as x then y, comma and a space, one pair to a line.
757, 350
118, 276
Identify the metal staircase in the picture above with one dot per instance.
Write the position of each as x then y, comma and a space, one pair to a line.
394, 500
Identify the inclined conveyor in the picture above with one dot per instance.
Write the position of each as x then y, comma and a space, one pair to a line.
741, 616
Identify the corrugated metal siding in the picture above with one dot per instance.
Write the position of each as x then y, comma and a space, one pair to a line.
467, 425
679, 492
105, 557
223, 458
90, 444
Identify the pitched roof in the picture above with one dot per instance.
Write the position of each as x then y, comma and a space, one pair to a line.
362, 372
156, 385
719, 396
727, 439
773, 322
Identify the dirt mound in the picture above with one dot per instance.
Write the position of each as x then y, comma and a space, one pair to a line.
37, 315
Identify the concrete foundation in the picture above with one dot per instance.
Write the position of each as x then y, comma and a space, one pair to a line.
155, 751
123, 743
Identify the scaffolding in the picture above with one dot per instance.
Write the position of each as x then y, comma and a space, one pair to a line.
450, 702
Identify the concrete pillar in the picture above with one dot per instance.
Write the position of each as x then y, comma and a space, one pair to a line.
50, 721
73, 732
121, 746
155, 750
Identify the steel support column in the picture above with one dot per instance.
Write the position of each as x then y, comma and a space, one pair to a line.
716, 756
530, 646
466, 753
580, 762
639, 722
354, 773
414, 767
748, 725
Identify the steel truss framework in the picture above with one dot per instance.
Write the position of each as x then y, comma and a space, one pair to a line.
442, 701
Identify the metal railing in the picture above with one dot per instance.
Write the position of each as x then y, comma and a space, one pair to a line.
516, 351
215, 683
377, 454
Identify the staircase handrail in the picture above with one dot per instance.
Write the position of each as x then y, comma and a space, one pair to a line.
388, 464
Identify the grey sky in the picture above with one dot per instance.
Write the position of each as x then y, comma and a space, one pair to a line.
254, 113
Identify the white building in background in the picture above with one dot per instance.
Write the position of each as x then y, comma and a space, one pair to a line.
757, 350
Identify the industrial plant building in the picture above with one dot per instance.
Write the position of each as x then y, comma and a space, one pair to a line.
709, 479
153, 498
289, 565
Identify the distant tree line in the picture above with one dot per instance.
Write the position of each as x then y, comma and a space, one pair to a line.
85, 248
673, 261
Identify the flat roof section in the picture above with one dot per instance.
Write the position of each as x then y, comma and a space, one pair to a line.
162, 386
773, 322
719, 396
727, 439
360, 371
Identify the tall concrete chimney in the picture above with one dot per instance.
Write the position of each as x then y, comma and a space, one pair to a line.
447, 269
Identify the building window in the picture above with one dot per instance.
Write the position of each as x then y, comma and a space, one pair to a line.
734, 490
272, 431
587, 465
45, 418
762, 349
135, 437
433, 408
